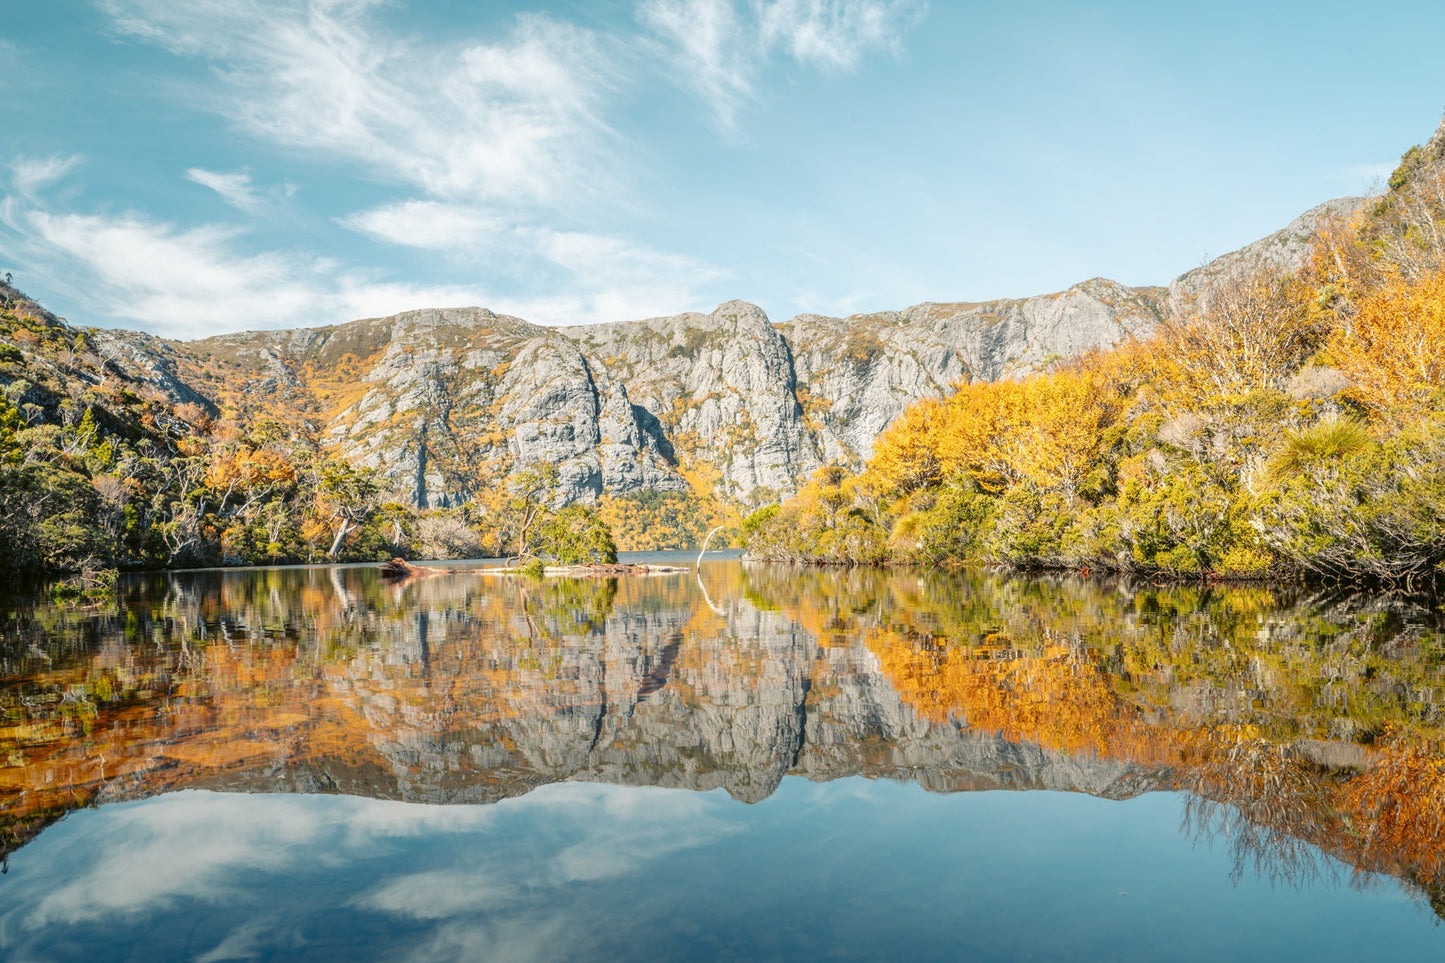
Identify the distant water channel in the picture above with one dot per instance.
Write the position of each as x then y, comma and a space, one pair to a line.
747, 762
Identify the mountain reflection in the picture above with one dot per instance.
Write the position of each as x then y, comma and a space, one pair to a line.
1295, 721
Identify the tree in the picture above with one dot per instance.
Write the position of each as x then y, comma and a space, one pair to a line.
1061, 419
1393, 349
521, 505
577, 535
905, 456
1254, 332
348, 497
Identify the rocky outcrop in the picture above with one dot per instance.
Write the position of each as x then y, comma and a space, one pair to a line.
446, 401
723, 386
856, 374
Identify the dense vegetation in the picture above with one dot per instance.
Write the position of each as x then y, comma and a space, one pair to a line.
1288, 424
98, 471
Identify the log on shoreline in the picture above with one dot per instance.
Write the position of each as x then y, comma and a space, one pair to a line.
399, 569
613, 570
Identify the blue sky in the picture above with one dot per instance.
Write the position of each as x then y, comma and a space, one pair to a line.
195, 166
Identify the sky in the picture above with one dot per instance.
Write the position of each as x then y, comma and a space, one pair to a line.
189, 167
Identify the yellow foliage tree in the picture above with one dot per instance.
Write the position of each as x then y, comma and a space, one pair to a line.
1059, 422
973, 439
905, 456
1393, 349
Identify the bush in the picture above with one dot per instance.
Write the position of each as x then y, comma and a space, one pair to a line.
446, 535
577, 535
1375, 512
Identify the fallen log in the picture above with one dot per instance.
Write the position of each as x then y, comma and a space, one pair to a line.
611, 570
400, 568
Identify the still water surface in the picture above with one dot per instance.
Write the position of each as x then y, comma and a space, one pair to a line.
752, 762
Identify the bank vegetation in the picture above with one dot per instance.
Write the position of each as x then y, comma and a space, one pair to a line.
1284, 425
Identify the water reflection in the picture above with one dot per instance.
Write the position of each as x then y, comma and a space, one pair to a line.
1298, 723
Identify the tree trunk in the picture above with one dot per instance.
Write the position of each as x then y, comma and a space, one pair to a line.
341, 533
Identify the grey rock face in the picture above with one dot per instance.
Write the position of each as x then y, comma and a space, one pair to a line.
150, 362
722, 387
445, 402
859, 373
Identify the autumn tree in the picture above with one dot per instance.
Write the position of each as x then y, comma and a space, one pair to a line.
514, 509
1060, 421
1253, 331
973, 443
906, 455
1393, 348
348, 497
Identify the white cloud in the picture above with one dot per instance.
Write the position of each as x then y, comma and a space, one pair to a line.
245, 942
438, 894
192, 282
29, 174
462, 230
171, 851
716, 49
197, 281
712, 51
234, 187
610, 279
611, 832
594, 277
514, 121
836, 33
464, 886
432, 225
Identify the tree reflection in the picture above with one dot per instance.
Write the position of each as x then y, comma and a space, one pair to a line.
1292, 721
1267, 806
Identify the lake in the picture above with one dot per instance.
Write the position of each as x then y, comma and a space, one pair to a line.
748, 761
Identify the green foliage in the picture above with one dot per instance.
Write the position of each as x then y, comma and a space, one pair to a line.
577, 535
1314, 447
1409, 162
953, 527
45, 521
757, 521
1375, 511
828, 521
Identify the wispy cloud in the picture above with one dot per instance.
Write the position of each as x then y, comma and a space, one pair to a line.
710, 50
517, 119
29, 174
498, 139
836, 33
431, 225
194, 281
716, 48
270, 863
238, 190
186, 282
596, 277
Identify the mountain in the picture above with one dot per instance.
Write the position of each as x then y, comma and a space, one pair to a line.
729, 404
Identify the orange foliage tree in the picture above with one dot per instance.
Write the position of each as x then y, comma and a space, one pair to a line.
1393, 348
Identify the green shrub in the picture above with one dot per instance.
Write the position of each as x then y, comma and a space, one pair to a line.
577, 535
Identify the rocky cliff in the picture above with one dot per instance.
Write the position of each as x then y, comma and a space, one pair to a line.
446, 401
